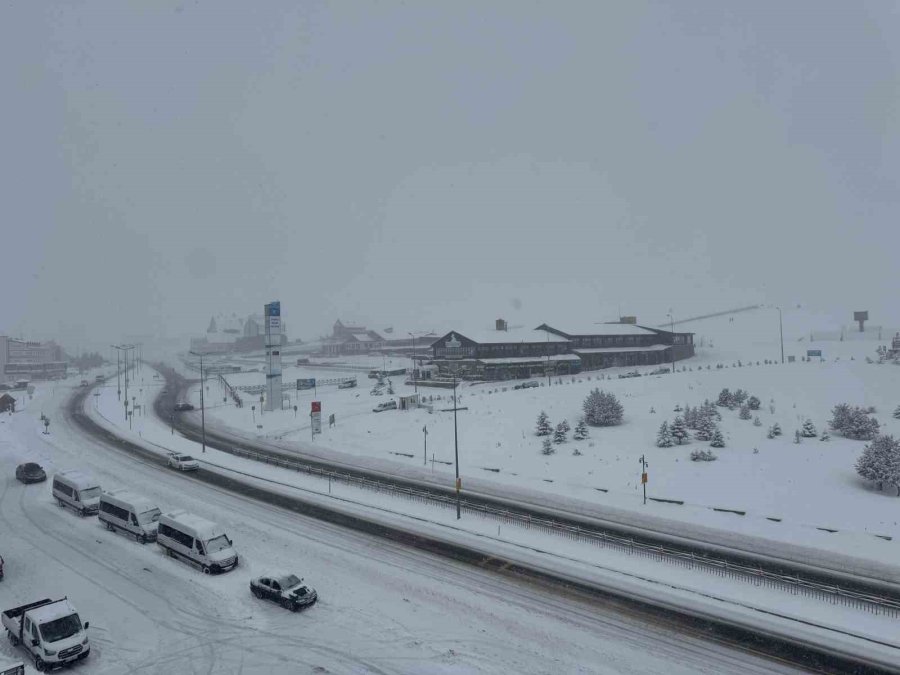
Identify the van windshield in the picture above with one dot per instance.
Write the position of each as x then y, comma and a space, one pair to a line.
90, 493
148, 517
219, 543
60, 629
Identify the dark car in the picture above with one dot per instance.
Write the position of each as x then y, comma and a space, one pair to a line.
287, 590
527, 385
183, 407
30, 473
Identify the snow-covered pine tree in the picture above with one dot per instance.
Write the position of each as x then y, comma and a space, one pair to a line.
897, 413
559, 436
543, 425
547, 447
753, 403
565, 425
602, 409
717, 440
705, 429
724, 399
776, 429
797, 436
745, 412
825, 436
679, 431
880, 462
664, 437
809, 430
739, 396
581, 430
757, 422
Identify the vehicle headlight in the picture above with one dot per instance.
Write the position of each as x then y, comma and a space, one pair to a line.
85, 641
49, 652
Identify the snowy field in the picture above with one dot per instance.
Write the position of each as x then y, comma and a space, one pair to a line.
787, 491
383, 608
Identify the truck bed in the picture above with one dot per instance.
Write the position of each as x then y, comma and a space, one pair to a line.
12, 618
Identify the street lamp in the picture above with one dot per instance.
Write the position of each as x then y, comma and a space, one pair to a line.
456, 445
672, 330
415, 379
124, 348
202, 411
781, 333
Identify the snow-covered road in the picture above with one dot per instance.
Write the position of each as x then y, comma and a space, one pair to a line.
383, 608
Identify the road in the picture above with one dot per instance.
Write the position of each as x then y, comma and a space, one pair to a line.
384, 608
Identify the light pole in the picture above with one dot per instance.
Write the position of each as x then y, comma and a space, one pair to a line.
672, 330
456, 446
644, 466
202, 411
415, 379
781, 333
123, 348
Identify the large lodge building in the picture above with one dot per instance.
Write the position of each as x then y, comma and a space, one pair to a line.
513, 353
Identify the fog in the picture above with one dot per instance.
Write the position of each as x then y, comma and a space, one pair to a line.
426, 164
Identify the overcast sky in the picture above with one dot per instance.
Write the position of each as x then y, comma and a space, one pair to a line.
433, 163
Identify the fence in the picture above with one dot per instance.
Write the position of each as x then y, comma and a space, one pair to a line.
743, 572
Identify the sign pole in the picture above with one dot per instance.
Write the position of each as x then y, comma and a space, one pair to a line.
425, 439
644, 466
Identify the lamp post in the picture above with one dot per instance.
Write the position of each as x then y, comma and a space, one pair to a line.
123, 348
456, 446
781, 333
672, 330
202, 411
415, 379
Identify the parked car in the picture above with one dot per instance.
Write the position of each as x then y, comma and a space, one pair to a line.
632, 373
387, 405
30, 473
183, 407
347, 384
527, 385
287, 590
84, 383
183, 462
659, 371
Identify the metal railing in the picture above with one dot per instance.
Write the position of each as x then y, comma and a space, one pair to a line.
794, 584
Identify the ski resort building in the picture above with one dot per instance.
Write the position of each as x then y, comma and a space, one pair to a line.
521, 352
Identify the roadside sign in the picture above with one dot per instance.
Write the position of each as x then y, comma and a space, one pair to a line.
306, 383
316, 407
315, 418
814, 352
644, 477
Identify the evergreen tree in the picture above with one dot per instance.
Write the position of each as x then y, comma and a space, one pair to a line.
897, 413
602, 409
565, 425
679, 431
809, 430
770, 433
703, 456
745, 412
724, 399
705, 429
853, 422
717, 440
776, 429
547, 447
824, 436
543, 425
664, 437
739, 397
559, 436
581, 430
797, 436
880, 462
756, 422
753, 403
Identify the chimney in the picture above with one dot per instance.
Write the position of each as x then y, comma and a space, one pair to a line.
501, 324
628, 319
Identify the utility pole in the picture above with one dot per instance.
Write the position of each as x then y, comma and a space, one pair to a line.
644, 466
672, 327
425, 441
123, 348
456, 446
781, 333
202, 409
415, 379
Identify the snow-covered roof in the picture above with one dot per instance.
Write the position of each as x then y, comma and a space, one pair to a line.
80, 480
528, 359
515, 334
140, 503
203, 529
363, 337
51, 612
616, 350
600, 328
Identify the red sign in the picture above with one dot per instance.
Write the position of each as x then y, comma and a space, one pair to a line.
643, 477
316, 406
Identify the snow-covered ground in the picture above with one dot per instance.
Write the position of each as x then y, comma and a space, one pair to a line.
786, 491
383, 608
658, 581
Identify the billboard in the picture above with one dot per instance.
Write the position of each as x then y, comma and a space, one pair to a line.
814, 352
315, 417
306, 383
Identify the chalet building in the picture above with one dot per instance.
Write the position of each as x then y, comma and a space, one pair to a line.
518, 352
25, 359
352, 338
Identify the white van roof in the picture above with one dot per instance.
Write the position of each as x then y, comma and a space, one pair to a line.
203, 529
139, 503
81, 481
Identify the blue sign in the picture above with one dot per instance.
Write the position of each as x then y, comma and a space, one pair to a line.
273, 309
814, 352
308, 383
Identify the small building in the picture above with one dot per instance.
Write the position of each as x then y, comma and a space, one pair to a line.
7, 403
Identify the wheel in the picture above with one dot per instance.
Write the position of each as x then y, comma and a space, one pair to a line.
286, 603
257, 593
294, 607
13, 639
82, 513
109, 526
206, 570
141, 538
38, 663
169, 553
59, 503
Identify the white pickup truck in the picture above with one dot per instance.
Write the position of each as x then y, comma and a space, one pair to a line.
49, 630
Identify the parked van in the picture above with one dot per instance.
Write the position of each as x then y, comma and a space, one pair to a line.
77, 491
130, 513
196, 541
